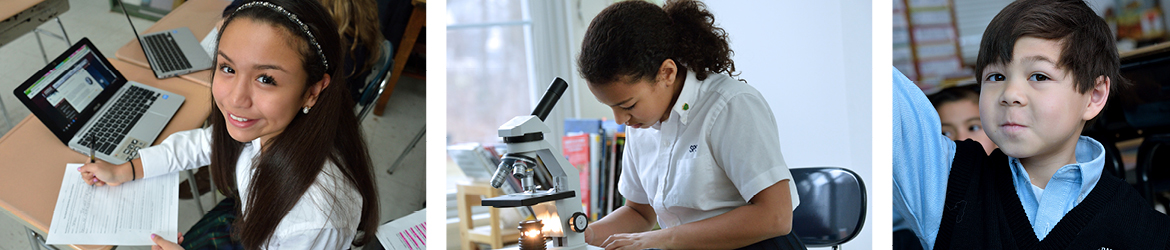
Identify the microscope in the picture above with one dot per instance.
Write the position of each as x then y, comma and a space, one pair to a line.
557, 208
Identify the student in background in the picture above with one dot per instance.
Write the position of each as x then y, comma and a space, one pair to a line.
703, 152
357, 23
1045, 69
958, 109
283, 145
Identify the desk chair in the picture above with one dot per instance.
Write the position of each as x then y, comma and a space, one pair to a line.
37, 241
1153, 153
1143, 111
377, 81
832, 206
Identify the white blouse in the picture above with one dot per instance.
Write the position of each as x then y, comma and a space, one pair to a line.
717, 150
320, 220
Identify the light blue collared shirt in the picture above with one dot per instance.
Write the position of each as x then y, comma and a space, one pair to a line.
922, 162
1067, 187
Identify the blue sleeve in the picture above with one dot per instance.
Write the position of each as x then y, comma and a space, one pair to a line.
921, 161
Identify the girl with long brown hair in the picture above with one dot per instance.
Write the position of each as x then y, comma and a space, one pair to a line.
284, 144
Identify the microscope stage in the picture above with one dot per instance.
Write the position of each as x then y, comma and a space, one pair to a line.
523, 199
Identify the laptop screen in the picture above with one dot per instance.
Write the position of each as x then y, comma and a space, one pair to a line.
70, 89
71, 85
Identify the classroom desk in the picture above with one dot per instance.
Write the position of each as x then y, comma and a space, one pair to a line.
18, 17
34, 159
198, 15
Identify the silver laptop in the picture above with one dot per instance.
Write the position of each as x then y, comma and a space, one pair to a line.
89, 104
172, 52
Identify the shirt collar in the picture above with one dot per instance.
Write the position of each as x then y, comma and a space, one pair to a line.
254, 146
686, 98
1090, 156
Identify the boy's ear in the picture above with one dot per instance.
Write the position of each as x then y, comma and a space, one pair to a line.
1097, 97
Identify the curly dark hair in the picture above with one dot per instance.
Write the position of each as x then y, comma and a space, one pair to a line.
633, 38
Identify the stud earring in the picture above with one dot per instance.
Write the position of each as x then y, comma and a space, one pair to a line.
305, 110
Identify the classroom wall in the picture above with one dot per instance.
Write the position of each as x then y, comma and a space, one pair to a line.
810, 59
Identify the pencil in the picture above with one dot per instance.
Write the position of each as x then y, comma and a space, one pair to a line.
92, 141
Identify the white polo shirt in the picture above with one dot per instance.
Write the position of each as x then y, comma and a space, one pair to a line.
717, 150
325, 217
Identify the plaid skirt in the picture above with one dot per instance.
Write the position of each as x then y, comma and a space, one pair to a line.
213, 231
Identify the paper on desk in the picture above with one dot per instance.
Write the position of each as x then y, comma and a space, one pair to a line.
208, 42
115, 215
406, 233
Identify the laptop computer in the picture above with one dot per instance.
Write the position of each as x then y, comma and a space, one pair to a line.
85, 101
172, 52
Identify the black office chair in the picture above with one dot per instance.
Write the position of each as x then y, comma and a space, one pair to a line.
1141, 111
832, 206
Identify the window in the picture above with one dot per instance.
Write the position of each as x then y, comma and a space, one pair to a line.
489, 65
501, 57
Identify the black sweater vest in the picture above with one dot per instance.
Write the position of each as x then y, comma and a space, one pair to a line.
982, 211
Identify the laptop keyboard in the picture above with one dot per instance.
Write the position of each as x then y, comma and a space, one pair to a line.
119, 119
166, 50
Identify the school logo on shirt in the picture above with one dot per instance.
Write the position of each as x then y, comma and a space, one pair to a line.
690, 151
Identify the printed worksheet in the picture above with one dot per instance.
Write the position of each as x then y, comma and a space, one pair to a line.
406, 233
115, 215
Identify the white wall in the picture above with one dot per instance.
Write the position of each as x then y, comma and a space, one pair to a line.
811, 60
583, 12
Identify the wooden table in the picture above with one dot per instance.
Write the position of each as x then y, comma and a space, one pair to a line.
18, 17
198, 15
34, 159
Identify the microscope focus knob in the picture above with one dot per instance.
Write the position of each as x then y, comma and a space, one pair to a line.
579, 221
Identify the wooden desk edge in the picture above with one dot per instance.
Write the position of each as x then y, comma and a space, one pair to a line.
1143, 51
29, 221
24, 217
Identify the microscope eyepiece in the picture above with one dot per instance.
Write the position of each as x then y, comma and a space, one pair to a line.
550, 98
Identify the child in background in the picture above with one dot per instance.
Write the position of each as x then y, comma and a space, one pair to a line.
1045, 69
958, 108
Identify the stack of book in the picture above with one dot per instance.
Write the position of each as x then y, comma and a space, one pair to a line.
595, 147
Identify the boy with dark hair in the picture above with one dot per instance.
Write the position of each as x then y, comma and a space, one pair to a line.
1045, 68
